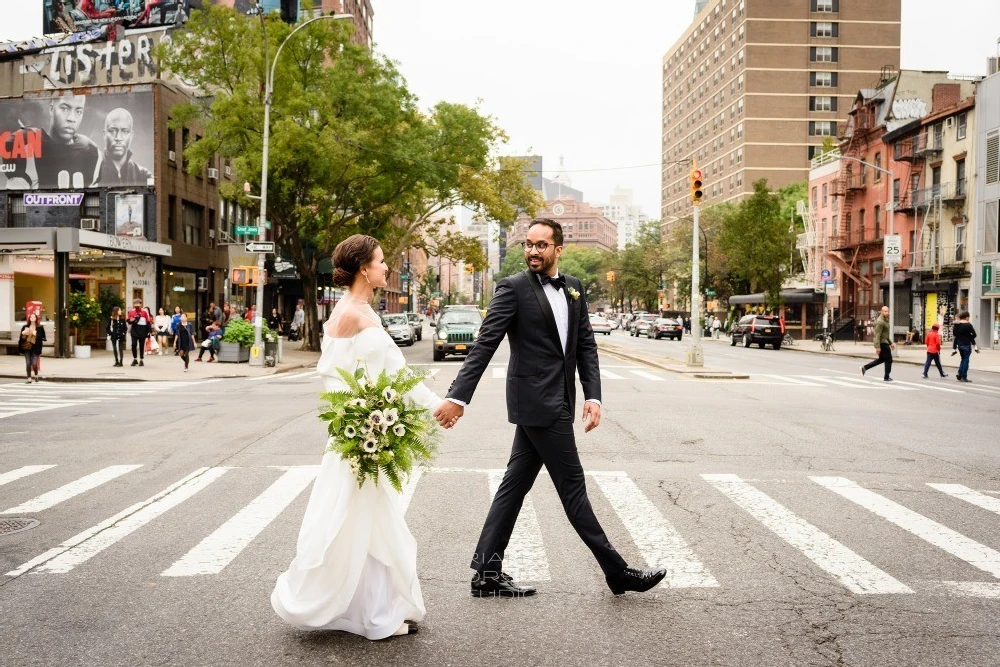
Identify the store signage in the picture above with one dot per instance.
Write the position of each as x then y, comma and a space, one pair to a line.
53, 198
987, 275
124, 244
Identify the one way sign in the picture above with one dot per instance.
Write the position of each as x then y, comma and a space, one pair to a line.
260, 246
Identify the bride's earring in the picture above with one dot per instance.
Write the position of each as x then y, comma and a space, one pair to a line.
366, 278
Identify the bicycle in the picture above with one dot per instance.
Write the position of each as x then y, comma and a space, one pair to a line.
787, 340
826, 342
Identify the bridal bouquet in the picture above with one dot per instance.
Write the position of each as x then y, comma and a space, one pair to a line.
374, 428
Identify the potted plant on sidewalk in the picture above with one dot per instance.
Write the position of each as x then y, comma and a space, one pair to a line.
84, 311
236, 342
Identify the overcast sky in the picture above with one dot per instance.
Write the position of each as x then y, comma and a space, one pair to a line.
581, 78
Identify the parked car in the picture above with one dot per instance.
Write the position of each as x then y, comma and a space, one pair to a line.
641, 323
417, 321
664, 327
600, 325
400, 329
760, 329
456, 331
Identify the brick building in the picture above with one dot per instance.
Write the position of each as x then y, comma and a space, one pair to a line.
583, 225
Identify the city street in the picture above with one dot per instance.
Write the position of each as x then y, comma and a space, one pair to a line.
806, 516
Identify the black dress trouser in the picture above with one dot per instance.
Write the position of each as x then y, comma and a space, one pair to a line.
555, 448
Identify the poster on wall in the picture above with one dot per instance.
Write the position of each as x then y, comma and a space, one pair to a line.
75, 141
129, 217
79, 15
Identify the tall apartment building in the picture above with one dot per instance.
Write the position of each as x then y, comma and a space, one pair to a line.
753, 87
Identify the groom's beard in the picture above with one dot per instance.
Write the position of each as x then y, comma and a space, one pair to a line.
543, 265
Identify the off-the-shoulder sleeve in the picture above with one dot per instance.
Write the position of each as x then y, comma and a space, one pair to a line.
421, 394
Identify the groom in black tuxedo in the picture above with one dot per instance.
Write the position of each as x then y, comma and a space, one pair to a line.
544, 316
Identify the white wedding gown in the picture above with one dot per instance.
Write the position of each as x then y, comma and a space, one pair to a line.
355, 567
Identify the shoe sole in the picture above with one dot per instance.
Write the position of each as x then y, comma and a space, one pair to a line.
656, 580
501, 594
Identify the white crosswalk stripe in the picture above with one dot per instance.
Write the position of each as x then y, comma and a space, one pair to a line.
849, 382
655, 538
19, 399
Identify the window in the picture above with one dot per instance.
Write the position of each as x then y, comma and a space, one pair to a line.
185, 138
822, 128
18, 214
960, 243
914, 184
825, 6
992, 219
825, 189
960, 178
895, 190
878, 164
962, 126
192, 214
861, 222
823, 54
814, 196
876, 215
92, 206
822, 103
171, 144
823, 79
993, 157
824, 29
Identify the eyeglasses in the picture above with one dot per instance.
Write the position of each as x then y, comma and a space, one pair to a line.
541, 246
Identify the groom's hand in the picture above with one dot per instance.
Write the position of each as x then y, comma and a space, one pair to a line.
448, 414
591, 416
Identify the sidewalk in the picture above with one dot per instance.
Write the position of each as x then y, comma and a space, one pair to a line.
671, 360
100, 367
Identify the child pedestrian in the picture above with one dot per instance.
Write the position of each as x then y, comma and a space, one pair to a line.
185, 340
934, 351
117, 328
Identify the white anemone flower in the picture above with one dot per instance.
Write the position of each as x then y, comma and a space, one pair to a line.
376, 418
391, 416
350, 432
358, 403
390, 394
370, 445
399, 430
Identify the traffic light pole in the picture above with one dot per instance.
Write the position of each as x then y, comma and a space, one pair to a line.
695, 355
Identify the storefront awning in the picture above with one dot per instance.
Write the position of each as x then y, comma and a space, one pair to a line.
69, 239
789, 297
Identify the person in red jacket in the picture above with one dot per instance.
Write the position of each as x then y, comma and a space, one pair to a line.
934, 351
140, 320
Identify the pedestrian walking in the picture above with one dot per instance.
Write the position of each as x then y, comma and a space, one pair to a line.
140, 319
162, 325
116, 332
298, 323
185, 341
883, 345
175, 321
964, 342
274, 321
716, 326
934, 351
30, 345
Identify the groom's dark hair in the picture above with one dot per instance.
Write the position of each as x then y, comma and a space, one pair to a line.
557, 235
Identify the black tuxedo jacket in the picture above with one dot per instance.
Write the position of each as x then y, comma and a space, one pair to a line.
539, 376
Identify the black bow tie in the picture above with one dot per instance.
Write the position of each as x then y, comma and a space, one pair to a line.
559, 282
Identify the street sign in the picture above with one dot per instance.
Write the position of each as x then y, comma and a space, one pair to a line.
267, 224
893, 249
710, 292
987, 275
831, 283
260, 246
825, 273
248, 230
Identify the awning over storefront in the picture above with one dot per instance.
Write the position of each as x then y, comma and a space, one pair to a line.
789, 297
69, 239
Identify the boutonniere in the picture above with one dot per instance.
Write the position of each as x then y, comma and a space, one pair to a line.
573, 294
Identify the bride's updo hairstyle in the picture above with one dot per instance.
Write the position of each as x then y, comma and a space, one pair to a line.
350, 255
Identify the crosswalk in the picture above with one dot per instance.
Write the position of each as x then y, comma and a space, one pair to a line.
871, 384
499, 372
19, 399
633, 507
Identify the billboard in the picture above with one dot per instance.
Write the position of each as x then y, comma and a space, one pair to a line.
76, 141
129, 215
80, 15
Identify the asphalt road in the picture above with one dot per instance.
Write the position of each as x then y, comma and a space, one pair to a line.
794, 512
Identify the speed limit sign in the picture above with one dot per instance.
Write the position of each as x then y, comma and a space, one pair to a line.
893, 249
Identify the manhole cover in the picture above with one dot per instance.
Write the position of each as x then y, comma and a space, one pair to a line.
11, 526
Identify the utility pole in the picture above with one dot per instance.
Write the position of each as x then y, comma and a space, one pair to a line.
695, 355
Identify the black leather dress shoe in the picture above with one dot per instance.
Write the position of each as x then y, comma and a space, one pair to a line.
502, 585
633, 579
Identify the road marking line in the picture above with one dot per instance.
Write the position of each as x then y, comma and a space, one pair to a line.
974, 589
608, 375
499, 373
658, 541
75, 488
524, 558
841, 383
856, 573
409, 487
788, 380
970, 496
885, 385
19, 473
974, 387
647, 376
219, 549
927, 385
82, 546
978, 555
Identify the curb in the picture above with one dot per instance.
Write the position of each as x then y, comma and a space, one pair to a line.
84, 378
702, 373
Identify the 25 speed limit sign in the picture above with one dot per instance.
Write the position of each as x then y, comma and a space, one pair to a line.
893, 249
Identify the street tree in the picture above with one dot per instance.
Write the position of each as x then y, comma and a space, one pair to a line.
350, 150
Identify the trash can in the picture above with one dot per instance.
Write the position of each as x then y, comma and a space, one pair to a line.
270, 353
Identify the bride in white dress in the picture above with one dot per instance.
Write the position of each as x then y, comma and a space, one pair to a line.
355, 567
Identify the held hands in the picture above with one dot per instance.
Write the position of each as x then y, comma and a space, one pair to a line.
448, 414
591, 416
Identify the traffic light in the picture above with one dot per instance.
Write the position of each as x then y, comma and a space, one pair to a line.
610, 276
696, 192
469, 268
244, 275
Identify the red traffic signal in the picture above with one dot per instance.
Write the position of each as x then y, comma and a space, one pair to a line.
696, 187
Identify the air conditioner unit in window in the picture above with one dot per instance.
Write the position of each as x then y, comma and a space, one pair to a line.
213, 174
172, 156
90, 224
949, 122
229, 170
202, 284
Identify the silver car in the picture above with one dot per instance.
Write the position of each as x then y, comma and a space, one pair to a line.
600, 325
400, 328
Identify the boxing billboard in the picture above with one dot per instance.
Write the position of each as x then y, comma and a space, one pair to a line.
66, 140
79, 15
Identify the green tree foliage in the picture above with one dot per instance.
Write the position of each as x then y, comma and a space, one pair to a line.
587, 265
513, 262
350, 151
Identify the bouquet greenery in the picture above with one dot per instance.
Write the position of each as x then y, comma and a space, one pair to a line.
374, 428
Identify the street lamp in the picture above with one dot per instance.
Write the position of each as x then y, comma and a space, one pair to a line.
262, 229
